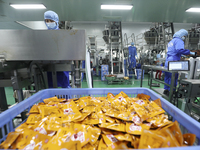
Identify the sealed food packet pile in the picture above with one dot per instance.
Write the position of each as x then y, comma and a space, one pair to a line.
98, 123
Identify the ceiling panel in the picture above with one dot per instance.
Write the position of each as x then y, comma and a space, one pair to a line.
89, 10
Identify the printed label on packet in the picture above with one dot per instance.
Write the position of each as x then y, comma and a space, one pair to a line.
112, 138
136, 120
30, 146
121, 98
134, 127
41, 130
68, 111
78, 137
133, 113
140, 102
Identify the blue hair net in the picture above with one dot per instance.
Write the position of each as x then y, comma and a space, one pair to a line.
132, 43
181, 33
53, 16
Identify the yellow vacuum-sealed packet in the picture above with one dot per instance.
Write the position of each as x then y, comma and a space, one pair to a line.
91, 119
12, 136
136, 119
150, 139
52, 99
175, 129
158, 102
34, 118
171, 140
189, 139
34, 110
71, 145
110, 140
132, 128
102, 145
70, 112
116, 126
154, 109
84, 115
143, 96
141, 111
95, 133
54, 123
89, 108
90, 146
81, 134
159, 120
109, 119
123, 137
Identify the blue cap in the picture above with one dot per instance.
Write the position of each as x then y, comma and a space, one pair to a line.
181, 33
51, 15
132, 43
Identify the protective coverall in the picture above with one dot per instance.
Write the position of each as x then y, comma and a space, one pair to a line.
132, 53
62, 77
175, 50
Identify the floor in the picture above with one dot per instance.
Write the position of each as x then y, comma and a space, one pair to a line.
97, 83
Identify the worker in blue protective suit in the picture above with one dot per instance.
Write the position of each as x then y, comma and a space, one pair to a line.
132, 54
175, 50
51, 20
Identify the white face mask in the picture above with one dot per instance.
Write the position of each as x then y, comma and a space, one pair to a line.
183, 38
51, 25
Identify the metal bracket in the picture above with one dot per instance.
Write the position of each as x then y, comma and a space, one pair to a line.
3, 60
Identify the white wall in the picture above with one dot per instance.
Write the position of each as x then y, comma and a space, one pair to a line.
96, 28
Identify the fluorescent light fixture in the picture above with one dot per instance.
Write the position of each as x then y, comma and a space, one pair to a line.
122, 7
193, 10
28, 6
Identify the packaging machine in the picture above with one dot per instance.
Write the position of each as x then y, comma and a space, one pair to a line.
27, 55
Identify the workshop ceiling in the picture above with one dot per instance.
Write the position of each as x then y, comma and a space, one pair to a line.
89, 10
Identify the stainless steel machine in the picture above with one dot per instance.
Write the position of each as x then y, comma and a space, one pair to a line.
112, 36
27, 55
189, 89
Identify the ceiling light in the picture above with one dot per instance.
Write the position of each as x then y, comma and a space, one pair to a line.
193, 10
122, 7
28, 6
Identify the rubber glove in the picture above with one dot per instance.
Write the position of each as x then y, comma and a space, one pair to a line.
192, 53
183, 56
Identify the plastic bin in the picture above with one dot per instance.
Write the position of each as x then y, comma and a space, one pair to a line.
104, 67
186, 121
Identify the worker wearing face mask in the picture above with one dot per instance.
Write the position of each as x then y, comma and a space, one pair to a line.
51, 20
175, 50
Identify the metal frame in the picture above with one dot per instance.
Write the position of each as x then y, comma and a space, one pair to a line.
151, 67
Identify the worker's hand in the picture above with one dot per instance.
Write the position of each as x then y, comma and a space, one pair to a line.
193, 53
197, 51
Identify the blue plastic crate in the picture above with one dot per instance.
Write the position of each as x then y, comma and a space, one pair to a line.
104, 67
139, 73
104, 71
186, 121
